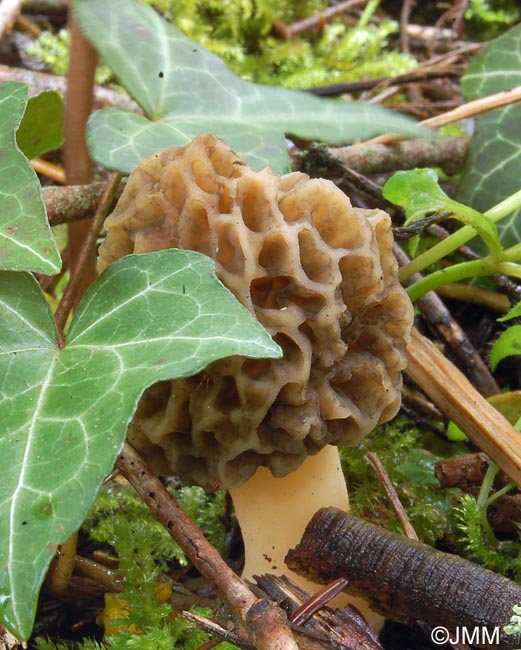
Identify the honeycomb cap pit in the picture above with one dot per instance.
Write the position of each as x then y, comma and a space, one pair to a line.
320, 276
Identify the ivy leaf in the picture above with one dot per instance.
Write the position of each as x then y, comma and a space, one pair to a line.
417, 190
493, 165
26, 240
185, 90
515, 312
41, 128
507, 345
64, 413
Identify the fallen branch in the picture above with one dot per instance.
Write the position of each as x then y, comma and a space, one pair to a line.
72, 202
446, 152
265, 622
406, 580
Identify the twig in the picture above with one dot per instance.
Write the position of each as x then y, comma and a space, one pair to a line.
446, 152
60, 570
38, 81
49, 169
78, 165
9, 12
317, 601
339, 628
105, 577
452, 392
217, 630
404, 579
470, 109
414, 76
404, 22
86, 252
72, 202
288, 32
391, 494
264, 621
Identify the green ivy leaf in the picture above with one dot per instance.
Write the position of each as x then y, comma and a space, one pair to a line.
41, 128
185, 90
493, 165
26, 241
418, 192
515, 312
507, 345
64, 413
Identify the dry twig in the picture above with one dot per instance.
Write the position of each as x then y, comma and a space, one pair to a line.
470, 109
288, 32
264, 622
86, 251
392, 495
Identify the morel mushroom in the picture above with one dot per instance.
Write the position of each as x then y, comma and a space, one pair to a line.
321, 277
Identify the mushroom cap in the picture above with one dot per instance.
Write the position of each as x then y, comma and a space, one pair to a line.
321, 277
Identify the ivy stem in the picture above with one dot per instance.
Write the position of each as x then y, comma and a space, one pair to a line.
60, 571
78, 165
483, 502
86, 252
455, 273
458, 238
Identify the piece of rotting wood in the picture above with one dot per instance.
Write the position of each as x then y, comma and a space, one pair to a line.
406, 580
342, 628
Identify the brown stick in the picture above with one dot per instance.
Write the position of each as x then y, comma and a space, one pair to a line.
264, 621
49, 169
452, 392
470, 109
404, 579
72, 202
78, 165
446, 152
86, 252
289, 31
404, 22
392, 495
60, 570
414, 76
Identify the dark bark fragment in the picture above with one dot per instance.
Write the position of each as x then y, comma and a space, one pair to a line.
403, 579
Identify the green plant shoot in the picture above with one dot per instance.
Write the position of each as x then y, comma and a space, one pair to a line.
509, 342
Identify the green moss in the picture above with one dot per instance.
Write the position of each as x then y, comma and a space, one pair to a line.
486, 19
240, 32
53, 50
409, 456
142, 615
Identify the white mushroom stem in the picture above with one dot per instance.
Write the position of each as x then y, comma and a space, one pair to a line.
273, 513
